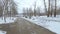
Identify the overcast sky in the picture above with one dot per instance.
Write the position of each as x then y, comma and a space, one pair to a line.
30, 3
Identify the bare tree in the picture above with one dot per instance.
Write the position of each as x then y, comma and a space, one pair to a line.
8, 8
12, 8
48, 8
23, 12
51, 12
27, 12
4, 9
55, 8
51, 7
35, 9
30, 12
1, 10
38, 11
45, 8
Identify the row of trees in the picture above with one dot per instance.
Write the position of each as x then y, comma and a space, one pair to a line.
52, 5
7, 8
51, 10
28, 12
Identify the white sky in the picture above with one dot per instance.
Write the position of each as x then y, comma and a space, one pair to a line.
30, 3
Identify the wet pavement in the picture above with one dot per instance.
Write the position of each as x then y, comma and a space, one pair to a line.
22, 26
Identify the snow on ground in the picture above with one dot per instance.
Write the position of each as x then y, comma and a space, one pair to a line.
2, 32
50, 23
8, 20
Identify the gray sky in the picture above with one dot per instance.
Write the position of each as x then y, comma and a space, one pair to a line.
30, 3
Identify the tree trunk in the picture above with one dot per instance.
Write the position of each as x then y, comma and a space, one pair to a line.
48, 8
51, 10
35, 9
45, 7
55, 9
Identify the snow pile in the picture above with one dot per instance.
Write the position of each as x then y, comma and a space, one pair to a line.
2, 32
50, 23
8, 20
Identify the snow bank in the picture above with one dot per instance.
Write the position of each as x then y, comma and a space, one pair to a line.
50, 23
2, 32
8, 20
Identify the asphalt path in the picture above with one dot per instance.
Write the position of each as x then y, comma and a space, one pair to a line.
22, 26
